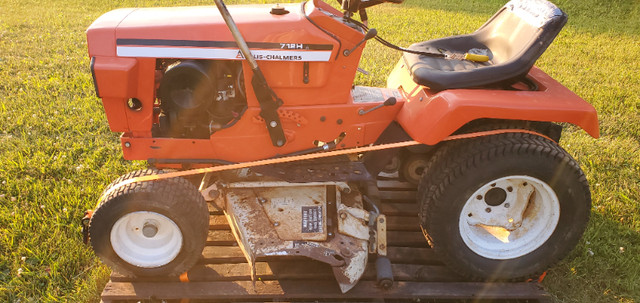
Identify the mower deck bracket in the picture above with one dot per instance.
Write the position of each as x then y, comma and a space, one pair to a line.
353, 222
274, 219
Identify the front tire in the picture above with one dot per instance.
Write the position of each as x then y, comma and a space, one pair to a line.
152, 228
503, 207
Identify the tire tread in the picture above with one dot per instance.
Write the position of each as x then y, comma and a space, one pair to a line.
456, 158
177, 193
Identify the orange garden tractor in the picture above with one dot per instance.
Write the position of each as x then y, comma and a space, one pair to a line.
253, 110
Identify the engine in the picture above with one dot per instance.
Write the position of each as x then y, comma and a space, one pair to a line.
199, 97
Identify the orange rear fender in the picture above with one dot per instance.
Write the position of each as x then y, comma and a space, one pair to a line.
429, 117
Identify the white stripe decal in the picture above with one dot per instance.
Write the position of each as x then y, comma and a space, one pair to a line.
220, 53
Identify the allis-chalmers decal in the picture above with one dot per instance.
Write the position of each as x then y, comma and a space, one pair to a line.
224, 50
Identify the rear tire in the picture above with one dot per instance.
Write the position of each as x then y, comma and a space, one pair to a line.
153, 228
503, 207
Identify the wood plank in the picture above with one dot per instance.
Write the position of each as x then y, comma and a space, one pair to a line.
405, 223
394, 238
417, 273
405, 255
406, 238
214, 210
222, 254
282, 269
218, 222
272, 270
399, 209
412, 255
394, 223
388, 176
395, 185
233, 254
389, 208
221, 237
400, 255
398, 196
299, 270
319, 289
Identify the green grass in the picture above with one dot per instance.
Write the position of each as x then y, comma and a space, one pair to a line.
57, 153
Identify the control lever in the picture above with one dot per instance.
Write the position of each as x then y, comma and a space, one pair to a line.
372, 32
389, 102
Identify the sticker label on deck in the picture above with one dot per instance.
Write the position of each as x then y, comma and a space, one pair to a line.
312, 219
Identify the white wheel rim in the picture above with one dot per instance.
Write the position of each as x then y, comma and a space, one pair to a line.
521, 223
146, 239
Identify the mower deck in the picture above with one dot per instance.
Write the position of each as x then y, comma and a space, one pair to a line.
223, 274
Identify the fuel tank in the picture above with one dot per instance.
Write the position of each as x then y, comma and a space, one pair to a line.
200, 32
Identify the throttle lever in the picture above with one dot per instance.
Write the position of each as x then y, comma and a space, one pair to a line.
372, 32
388, 102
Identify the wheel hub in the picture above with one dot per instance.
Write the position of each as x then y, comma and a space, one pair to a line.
509, 217
495, 196
149, 230
146, 239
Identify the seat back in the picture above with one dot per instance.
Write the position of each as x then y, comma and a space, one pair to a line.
522, 30
514, 38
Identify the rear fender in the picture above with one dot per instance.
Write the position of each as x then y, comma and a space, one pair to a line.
429, 116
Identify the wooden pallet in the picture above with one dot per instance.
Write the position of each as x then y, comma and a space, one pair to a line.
223, 274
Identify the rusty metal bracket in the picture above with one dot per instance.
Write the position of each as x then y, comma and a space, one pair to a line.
381, 235
353, 222
279, 219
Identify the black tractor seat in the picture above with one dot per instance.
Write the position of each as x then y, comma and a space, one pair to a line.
514, 38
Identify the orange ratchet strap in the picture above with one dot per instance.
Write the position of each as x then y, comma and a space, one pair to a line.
184, 277
338, 152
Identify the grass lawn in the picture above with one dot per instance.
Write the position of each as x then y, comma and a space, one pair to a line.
57, 153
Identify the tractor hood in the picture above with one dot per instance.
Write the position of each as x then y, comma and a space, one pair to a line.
200, 32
